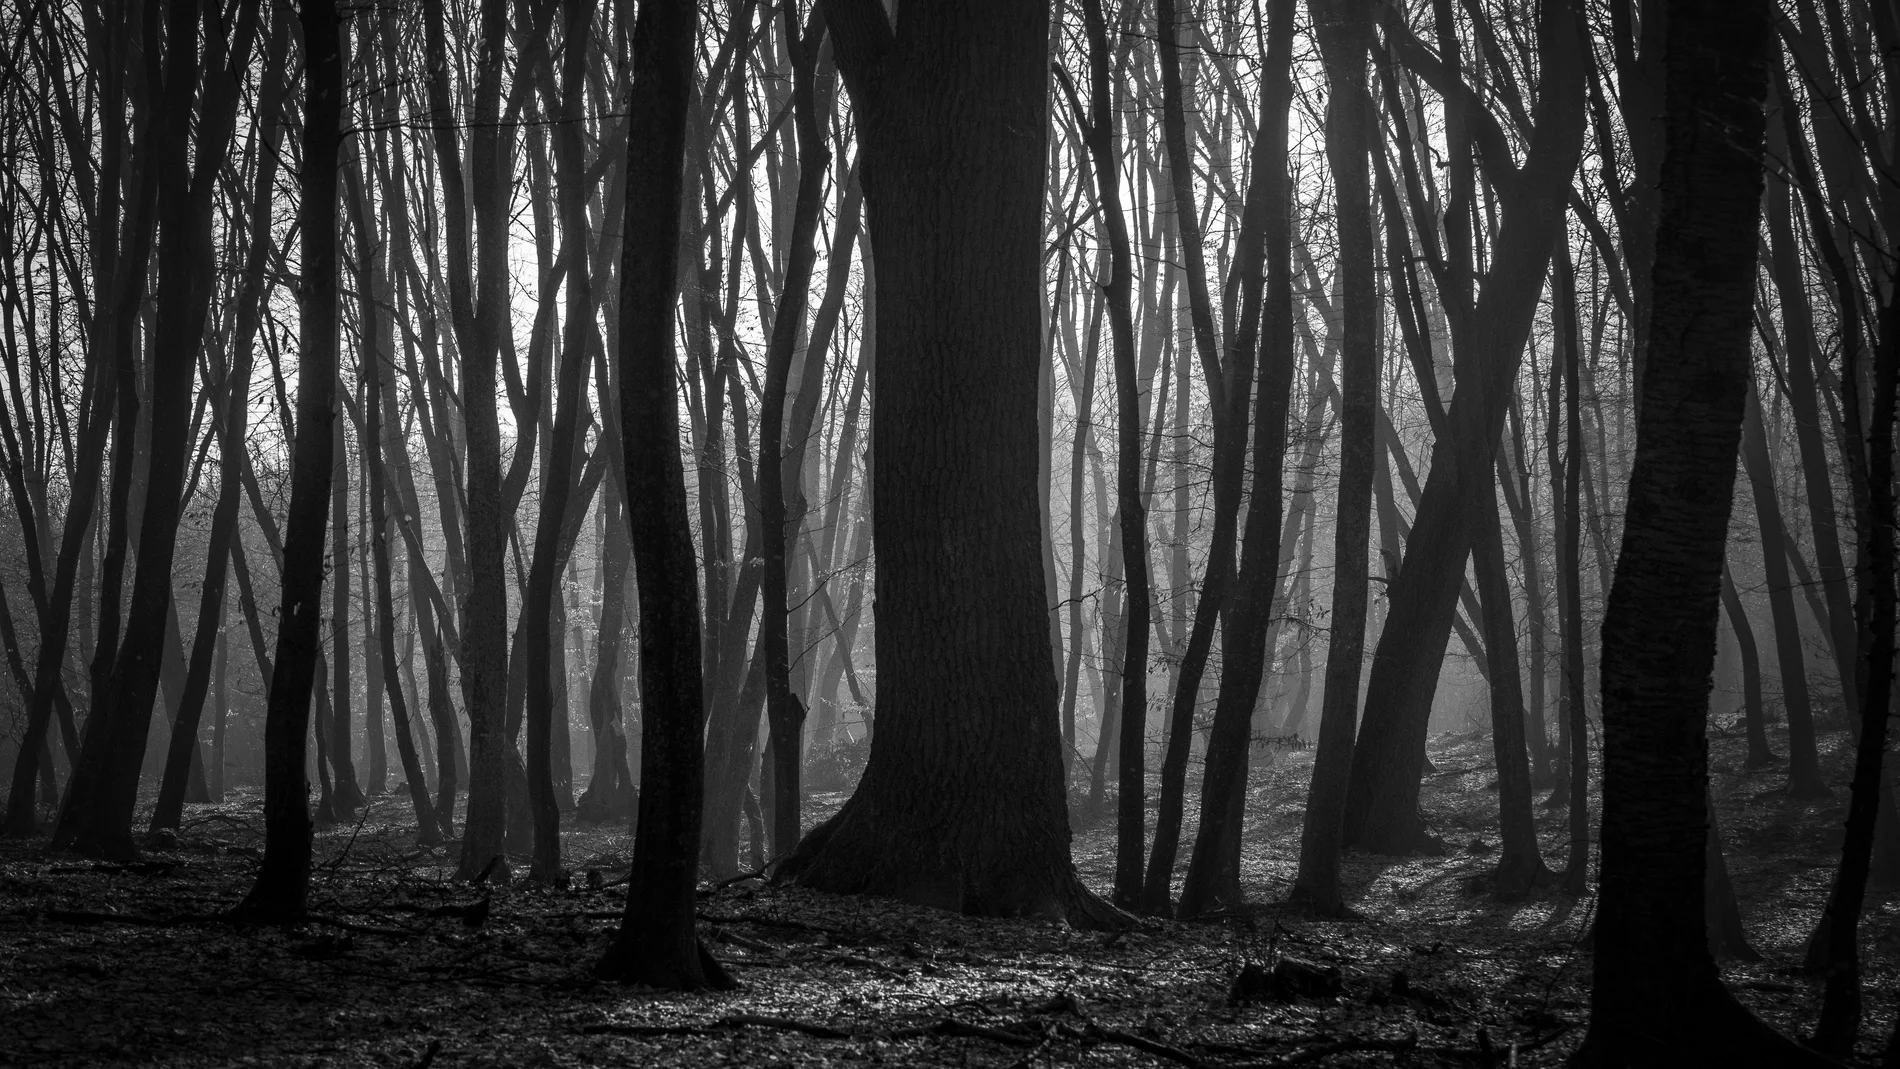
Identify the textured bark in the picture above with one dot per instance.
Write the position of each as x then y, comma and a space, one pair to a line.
1344, 28
1656, 997
656, 944
1382, 797
961, 805
283, 879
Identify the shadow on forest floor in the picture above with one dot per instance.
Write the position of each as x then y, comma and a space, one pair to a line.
104, 964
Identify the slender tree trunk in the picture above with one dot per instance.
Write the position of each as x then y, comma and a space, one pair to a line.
1840, 924
1213, 875
1804, 770
283, 879
1759, 755
656, 944
98, 813
234, 412
1131, 511
1344, 28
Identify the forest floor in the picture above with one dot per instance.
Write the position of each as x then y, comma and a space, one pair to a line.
127, 964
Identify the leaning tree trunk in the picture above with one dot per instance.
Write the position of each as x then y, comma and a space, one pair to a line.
657, 944
283, 879
1656, 997
1382, 812
962, 804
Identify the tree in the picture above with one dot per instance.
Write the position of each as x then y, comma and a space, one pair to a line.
657, 943
283, 878
1344, 29
1130, 509
1656, 998
961, 805
1490, 325
97, 816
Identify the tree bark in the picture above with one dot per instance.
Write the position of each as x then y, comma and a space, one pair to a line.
962, 804
283, 880
656, 944
1656, 997
1344, 28
1382, 797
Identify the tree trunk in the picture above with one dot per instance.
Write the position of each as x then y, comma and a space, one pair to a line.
234, 412
1213, 875
1804, 770
961, 805
478, 297
103, 792
1756, 720
1656, 997
283, 879
1566, 478
656, 944
1344, 28
1840, 924
1382, 798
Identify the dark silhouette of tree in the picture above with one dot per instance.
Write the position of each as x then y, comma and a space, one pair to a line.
961, 805
1656, 997
657, 943
283, 879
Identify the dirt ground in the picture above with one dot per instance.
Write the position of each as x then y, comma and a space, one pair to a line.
127, 964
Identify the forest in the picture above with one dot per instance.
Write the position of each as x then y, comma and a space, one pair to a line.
1231, 534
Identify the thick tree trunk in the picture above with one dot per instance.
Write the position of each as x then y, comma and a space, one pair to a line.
1656, 997
962, 803
283, 879
656, 944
